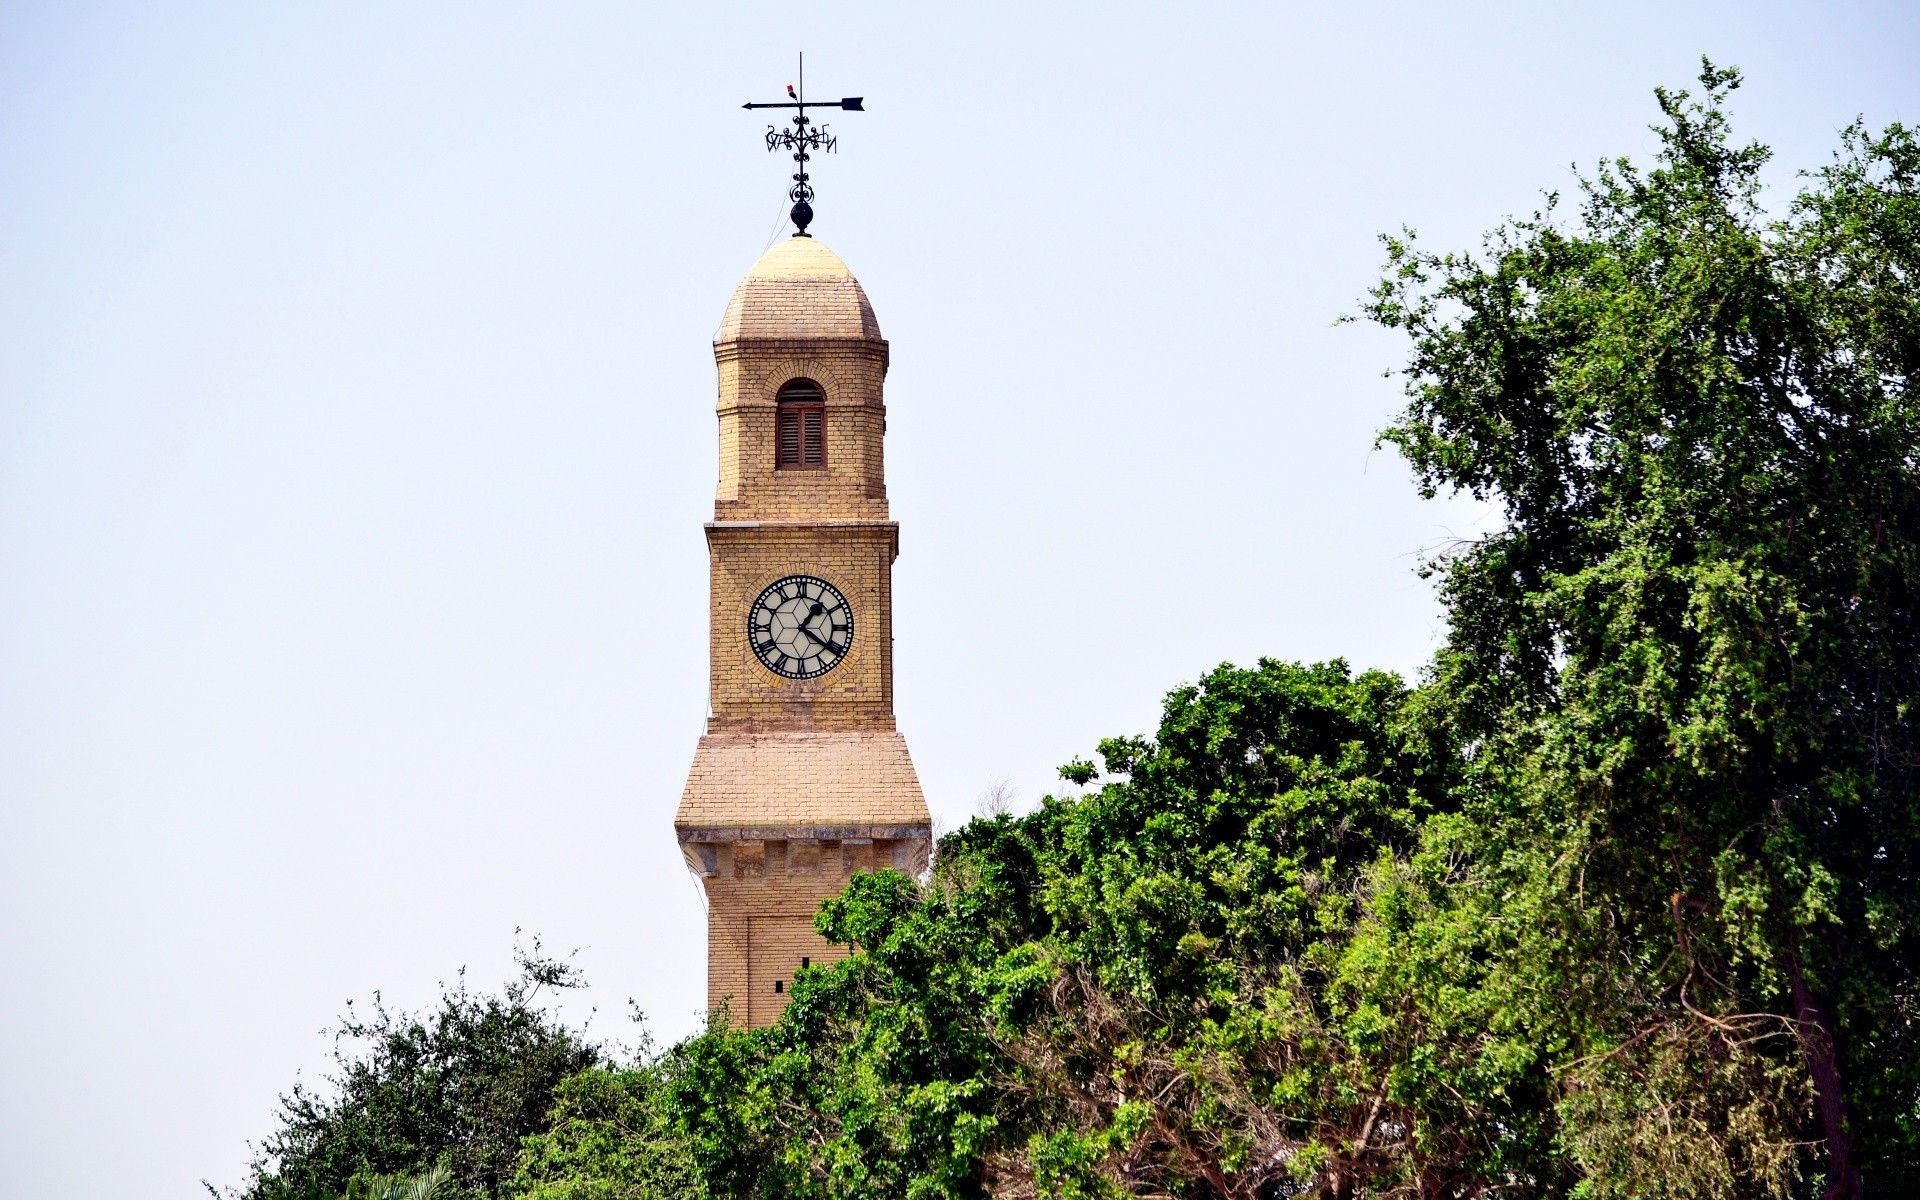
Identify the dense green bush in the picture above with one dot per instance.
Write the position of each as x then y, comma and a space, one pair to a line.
458, 1087
1235, 968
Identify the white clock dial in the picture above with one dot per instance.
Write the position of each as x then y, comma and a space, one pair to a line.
800, 627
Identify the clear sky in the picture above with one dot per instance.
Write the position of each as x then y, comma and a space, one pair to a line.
356, 433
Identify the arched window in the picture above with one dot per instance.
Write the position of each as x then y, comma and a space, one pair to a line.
800, 433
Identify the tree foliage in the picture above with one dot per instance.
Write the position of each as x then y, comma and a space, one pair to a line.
457, 1087
1690, 661
610, 1136
1239, 967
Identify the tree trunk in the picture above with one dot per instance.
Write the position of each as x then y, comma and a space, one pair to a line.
1823, 1067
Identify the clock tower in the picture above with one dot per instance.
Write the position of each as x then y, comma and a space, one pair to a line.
801, 778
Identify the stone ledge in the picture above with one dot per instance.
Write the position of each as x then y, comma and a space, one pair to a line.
803, 833
805, 524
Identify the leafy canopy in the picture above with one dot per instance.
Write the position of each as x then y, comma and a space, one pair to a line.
458, 1087
1690, 661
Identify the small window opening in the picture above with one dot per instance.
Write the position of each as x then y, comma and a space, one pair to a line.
779, 986
800, 426
806, 962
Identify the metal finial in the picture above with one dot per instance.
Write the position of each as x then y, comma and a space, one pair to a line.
804, 138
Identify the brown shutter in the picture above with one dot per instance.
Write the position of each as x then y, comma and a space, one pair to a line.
789, 441
813, 439
800, 426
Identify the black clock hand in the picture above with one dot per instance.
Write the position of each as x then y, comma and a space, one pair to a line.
816, 637
806, 622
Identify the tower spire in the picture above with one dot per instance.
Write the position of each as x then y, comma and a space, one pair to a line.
803, 139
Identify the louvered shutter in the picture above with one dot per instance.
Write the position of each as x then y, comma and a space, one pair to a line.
800, 426
789, 440
813, 439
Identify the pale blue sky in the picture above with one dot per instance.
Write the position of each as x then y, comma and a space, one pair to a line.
356, 432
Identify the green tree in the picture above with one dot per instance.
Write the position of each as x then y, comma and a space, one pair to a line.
1689, 664
1259, 980
610, 1136
436, 1184
460, 1086
1239, 967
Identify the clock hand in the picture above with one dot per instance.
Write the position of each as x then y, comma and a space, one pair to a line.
823, 641
806, 622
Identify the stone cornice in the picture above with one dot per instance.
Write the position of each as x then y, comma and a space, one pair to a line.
803, 833
807, 347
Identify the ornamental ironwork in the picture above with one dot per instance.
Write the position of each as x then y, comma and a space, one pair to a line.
803, 141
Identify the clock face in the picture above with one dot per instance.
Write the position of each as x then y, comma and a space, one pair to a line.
800, 627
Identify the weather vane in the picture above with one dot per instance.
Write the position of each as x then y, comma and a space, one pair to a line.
803, 139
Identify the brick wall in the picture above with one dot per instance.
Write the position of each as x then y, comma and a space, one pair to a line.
760, 914
853, 484
855, 558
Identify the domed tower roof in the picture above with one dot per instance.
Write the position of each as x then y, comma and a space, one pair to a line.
799, 289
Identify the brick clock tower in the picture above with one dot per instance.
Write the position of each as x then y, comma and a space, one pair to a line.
801, 778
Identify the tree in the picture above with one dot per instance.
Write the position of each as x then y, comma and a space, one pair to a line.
610, 1136
460, 1086
1240, 967
436, 1184
1689, 664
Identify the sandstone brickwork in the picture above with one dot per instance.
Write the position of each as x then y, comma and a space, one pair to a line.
797, 783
